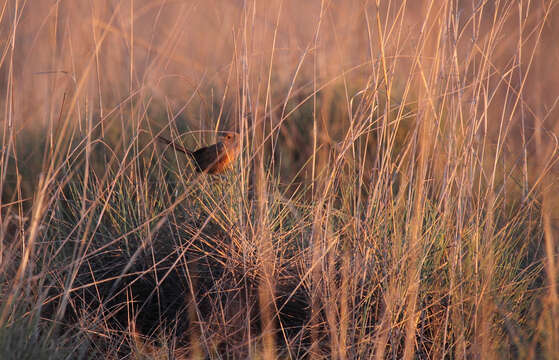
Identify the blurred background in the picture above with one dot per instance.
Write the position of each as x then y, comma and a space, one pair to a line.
131, 64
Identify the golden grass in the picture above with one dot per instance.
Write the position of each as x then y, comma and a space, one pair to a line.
395, 196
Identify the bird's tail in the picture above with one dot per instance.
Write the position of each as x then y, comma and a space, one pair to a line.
174, 145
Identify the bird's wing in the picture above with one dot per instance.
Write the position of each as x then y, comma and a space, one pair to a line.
207, 157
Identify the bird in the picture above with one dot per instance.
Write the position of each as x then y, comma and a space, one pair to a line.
213, 159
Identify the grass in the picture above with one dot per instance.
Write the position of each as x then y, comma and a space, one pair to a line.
395, 196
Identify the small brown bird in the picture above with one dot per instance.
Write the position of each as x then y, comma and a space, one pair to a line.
212, 159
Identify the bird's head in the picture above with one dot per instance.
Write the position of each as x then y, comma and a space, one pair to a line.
229, 138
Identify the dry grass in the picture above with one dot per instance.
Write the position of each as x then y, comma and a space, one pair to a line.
395, 197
